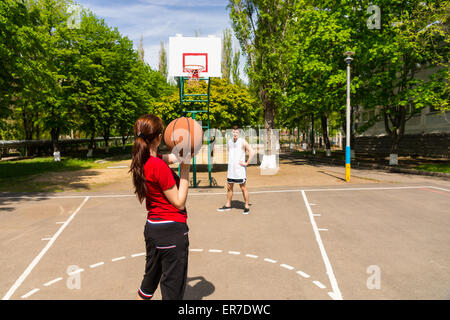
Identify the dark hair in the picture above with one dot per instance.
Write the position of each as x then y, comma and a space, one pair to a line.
235, 127
146, 129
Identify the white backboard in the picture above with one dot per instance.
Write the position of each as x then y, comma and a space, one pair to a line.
204, 51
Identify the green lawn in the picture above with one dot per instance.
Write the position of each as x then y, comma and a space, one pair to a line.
444, 167
15, 176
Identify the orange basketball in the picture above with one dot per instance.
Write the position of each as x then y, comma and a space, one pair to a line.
184, 136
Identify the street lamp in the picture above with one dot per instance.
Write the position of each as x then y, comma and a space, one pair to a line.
348, 60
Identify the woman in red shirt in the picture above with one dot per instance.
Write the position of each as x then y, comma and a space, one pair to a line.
165, 194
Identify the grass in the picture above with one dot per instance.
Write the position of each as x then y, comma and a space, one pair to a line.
443, 167
18, 175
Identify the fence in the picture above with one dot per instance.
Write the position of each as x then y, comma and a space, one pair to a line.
40, 147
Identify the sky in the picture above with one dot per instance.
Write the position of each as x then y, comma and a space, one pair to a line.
159, 20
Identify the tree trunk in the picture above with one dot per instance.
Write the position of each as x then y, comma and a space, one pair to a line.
54, 132
269, 119
324, 120
91, 146
106, 138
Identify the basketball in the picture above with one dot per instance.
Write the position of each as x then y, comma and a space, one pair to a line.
184, 137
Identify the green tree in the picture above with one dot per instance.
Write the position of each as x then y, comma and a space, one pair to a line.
162, 66
413, 40
227, 54
264, 29
235, 73
230, 105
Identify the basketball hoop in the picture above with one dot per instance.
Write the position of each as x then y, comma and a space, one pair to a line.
194, 71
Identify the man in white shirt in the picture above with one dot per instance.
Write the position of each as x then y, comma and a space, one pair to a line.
237, 168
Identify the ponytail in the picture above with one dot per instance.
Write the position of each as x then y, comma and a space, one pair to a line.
146, 129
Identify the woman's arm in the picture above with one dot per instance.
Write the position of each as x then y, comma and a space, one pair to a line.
178, 196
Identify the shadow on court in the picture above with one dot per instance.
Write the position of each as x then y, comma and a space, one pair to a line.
197, 288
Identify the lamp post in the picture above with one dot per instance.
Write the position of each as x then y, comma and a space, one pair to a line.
348, 60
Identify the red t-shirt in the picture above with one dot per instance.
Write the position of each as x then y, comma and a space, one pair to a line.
160, 178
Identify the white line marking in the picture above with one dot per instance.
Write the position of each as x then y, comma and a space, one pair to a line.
46, 239
220, 193
30, 293
95, 265
234, 252
316, 215
75, 272
41, 254
52, 282
137, 254
312, 204
322, 229
286, 266
304, 275
319, 284
440, 189
60, 222
251, 256
117, 259
196, 250
214, 250
328, 267
362, 189
270, 260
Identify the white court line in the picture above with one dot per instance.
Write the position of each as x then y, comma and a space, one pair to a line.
117, 259
270, 260
95, 265
304, 275
196, 250
221, 193
234, 252
42, 253
286, 266
251, 256
75, 272
215, 250
328, 267
440, 189
52, 282
319, 284
30, 293
137, 254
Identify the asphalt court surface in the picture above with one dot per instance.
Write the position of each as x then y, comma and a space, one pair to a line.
296, 243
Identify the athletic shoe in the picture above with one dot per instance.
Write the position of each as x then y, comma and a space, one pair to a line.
224, 208
246, 211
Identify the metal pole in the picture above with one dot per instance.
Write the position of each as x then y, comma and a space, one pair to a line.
348, 60
194, 167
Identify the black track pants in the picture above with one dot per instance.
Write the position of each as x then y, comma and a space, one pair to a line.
167, 246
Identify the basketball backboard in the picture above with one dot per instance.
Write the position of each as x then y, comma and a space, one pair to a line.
199, 51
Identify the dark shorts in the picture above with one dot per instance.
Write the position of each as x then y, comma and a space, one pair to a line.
167, 247
239, 181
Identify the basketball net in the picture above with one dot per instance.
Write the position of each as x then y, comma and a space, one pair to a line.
194, 72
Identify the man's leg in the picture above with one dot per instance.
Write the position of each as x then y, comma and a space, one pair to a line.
244, 193
229, 194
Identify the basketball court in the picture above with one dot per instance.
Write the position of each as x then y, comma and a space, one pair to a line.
378, 237
374, 240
